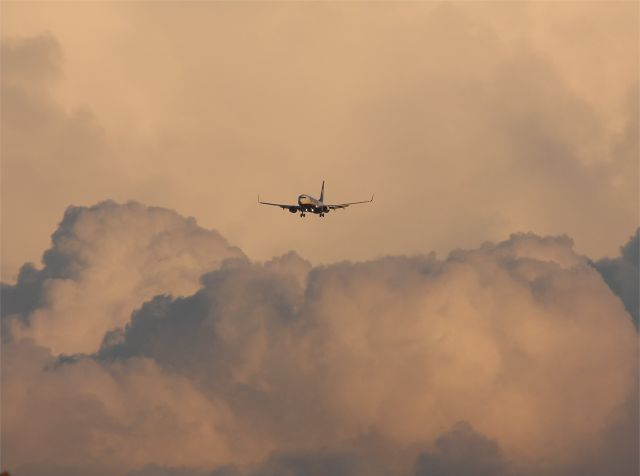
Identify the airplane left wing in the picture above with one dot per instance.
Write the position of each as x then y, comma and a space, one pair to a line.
345, 205
291, 208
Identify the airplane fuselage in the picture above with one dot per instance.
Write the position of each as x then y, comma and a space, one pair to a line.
309, 204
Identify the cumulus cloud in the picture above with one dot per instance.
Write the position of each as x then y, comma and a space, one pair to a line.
462, 452
105, 261
81, 417
284, 368
623, 275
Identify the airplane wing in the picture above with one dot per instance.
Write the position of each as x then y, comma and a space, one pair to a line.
291, 208
345, 205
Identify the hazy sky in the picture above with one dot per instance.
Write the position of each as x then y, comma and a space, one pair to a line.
464, 324
468, 120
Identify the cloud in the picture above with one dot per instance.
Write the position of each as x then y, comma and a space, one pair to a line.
105, 261
31, 61
81, 417
155, 470
623, 276
314, 464
284, 368
145, 344
49, 152
462, 452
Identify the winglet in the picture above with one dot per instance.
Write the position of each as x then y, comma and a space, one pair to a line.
372, 195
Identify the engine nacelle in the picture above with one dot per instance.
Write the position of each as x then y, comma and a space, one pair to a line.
293, 209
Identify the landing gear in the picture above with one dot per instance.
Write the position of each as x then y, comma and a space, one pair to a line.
322, 214
302, 214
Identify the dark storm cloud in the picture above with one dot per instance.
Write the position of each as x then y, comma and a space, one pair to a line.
307, 464
623, 275
23, 297
155, 470
462, 452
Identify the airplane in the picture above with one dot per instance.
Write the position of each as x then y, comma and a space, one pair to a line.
306, 203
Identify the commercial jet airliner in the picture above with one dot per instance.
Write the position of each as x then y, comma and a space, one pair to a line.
306, 203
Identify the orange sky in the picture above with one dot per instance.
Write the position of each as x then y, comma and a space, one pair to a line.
468, 121
146, 343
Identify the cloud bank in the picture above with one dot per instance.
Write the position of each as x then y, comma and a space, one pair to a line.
510, 358
105, 261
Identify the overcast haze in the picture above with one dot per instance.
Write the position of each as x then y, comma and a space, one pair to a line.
479, 318
468, 121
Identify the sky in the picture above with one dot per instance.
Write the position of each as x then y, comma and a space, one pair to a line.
469, 121
479, 318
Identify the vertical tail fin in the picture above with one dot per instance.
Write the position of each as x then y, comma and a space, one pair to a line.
322, 192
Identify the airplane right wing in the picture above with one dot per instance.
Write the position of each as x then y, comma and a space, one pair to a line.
345, 205
291, 208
